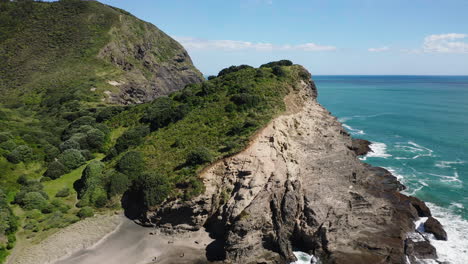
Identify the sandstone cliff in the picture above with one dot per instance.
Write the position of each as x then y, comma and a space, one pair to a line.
300, 185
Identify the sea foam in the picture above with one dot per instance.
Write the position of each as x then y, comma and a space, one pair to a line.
304, 258
378, 150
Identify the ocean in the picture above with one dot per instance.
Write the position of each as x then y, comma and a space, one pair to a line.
418, 126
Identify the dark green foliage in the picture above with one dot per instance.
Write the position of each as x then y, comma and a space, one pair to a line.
277, 63
153, 187
71, 158
132, 137
5, 136
65, 192
8, 224
95, 139
85, 212
107, 113
199, 156
131, 164
211, 77
55, 169
50, 152
92, 185
23, 179
162, 112
34, 200
69, 144
245, 100
233, 69
279, 71
21, 153
118, 183
8, 145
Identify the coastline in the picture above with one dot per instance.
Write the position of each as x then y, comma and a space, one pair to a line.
83, 234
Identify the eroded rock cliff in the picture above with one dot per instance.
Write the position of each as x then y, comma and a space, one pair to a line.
299, 185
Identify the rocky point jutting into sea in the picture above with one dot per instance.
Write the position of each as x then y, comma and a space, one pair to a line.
299, 185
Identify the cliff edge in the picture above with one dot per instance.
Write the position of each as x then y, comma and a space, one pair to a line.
299, 185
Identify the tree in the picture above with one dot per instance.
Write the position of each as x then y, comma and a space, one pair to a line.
233, 69
21, 153
34, 200
162, 112
131, 164
85, 212
154, 188
69, 144
95, 139
131, 137
199, 156
277, 63
279, 71
55, 170
71, 158
118, 183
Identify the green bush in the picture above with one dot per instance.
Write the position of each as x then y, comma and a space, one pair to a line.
69, 144
65, 192
85, 212
279, 71
21, 153
71, 158
5, 136
51, 152
154, 188
277, 63
107, 113
131, 137
131, 164
8, 145
199, 156
95, 139
233, 69
162, 112
55, 169
34, 200
246, 100
118, 183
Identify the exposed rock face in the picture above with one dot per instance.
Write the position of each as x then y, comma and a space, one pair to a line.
360, 146
433, 226
299, 185
154, 64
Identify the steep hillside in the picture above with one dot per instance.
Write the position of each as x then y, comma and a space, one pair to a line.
84, 50
62, 66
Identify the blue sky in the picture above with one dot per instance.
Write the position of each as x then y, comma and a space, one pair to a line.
427, 37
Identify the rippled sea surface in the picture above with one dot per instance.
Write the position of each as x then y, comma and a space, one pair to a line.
419, 129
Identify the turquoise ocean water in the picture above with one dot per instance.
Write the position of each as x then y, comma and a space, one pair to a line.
419, 129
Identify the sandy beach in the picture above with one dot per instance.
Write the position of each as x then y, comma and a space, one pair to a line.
113, 239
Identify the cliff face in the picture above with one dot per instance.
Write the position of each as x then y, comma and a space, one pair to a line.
299, 185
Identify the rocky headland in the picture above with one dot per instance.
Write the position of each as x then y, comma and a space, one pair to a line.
300, 185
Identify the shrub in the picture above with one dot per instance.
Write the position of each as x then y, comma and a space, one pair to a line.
277, 63
51, 152
95, 139
233, 69
131, 164
199, 156
58, 205
154, 188
87, 154
5, 136
34, 200
55, 170
245, 100
118, 183
279, 71
211, 77
71, 158
131, 137
108, 112
69, 144
8, 145
21, 153
65, 192
162, 112
85, 212
23, 179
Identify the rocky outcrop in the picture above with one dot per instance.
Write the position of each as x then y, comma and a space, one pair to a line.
153, 63
360, 146
299, 185
433, 226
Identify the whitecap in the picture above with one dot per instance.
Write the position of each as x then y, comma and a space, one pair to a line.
455, 249
447, 164
354, 131
304, 258
378, 150
448, 178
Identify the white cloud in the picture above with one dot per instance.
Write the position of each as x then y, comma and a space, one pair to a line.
446, 43
381, 49
235, 45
